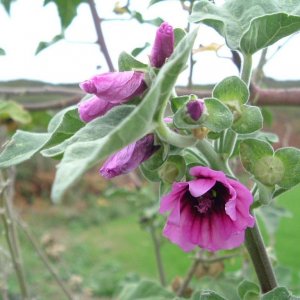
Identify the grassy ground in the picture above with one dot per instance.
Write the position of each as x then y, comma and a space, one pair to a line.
94, 255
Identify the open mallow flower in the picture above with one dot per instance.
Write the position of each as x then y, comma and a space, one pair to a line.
116, 87
163, 45
210, 211
129, 158
94, 108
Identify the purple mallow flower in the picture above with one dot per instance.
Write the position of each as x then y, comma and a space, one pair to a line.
195, 109
210, 211
93, 108
129, 157
163, 45
116, 87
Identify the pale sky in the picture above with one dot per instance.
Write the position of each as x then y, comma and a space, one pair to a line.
77, 58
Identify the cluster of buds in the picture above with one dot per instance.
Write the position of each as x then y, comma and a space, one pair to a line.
116, 88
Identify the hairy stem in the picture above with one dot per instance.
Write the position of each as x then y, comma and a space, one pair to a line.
247, 69
189, 274
100, 36
10, 230
260, 259
159, 262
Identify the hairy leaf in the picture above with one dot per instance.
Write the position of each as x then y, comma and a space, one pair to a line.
250, 25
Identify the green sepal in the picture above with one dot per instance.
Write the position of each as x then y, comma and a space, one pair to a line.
179, 34
151, 175
178, 102
158, 158
232, 91
173, 169
248, 290
249, 120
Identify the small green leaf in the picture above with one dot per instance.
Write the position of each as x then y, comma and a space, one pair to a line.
7, 4
249, 25
13, 110
127, 62
145, 289
232, 91
279, 293
219, 116
67, 10
290, 157
152, 2
2, 51
207, 295
178, 102
137, 51
249, 121
43, 45
248, 290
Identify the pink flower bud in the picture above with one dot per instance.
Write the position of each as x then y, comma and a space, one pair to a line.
195, 109
163, 45
115, 87
129, 158
93, 108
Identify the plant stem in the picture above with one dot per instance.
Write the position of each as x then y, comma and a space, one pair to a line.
44, 259
260, 259
189, 274
172, 137
8, 219
247, 69
100, 36
159, 263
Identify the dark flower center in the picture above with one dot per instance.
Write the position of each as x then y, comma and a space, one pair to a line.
212, 201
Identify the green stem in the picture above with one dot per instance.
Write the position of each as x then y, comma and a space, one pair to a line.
260, 259
173, 138
247, 69
159, 262
215, 161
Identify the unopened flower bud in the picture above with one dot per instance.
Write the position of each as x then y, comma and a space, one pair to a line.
116, 87
93, 108
129, 158
195, 109
163, 45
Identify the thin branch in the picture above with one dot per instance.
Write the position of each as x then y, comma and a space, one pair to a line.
45, 259
159, 262
100, 36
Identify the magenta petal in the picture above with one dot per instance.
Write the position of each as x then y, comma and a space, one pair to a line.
198, 187
116, 87
176, 236
163, 45
129, 158
169, 201
205, 172
93, 108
